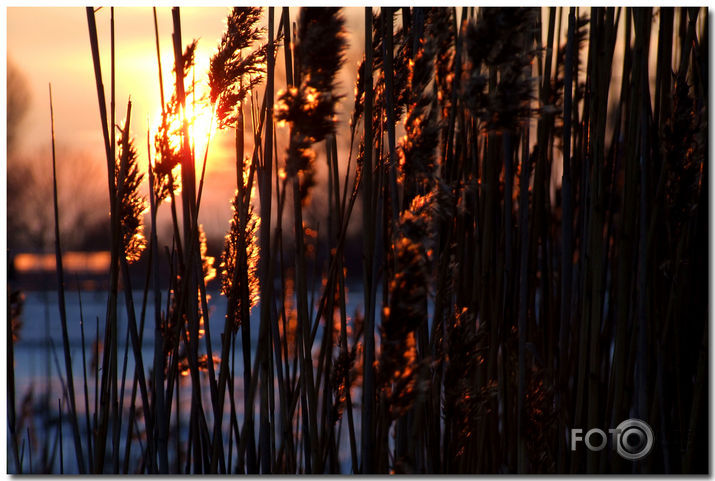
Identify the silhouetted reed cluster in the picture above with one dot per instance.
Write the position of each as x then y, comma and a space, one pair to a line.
532, 188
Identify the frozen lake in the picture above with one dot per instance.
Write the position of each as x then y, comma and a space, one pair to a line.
36, 372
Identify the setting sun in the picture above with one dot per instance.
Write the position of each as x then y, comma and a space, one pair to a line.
201, 127
199, 113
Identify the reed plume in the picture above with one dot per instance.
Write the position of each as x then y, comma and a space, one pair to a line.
683, 155
167, 144
359, 92
132, 205
418, 158
466, 404
343, 368
310, 108
207, 262
497, 39
233, 73
230, 256
439, 28
400, 74
167, 157
556, 92
407, 310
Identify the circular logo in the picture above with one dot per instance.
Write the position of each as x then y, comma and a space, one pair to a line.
634, 439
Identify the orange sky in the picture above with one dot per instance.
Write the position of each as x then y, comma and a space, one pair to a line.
51, 45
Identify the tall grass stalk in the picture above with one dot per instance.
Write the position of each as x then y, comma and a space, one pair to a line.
63, 310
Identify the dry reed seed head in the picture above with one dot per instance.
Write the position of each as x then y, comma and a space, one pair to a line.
401, 72
509, 105
343, 366
408, 289
417, 149
464, 402
207, 262
377, 39
419, 221
514, 93
398, 39
499, 39
229, 103
360, 157
184, 365
300, 162
378, 115
360, 165
500, 34
554, 103
400, 67
474, 92
407, 310
168, 152
476, 39
230, 257
310, 109
408, 377
249, 73
300, 156
420, 71
401, 89
440, 30
187, 58
555, 100
684, 154
204, 362
233, 73
321, 45
167, 140
132, 205
416, 222
580, 39
359, 94
401, 62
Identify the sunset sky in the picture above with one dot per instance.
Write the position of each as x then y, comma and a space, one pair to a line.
51, 45
494, 244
